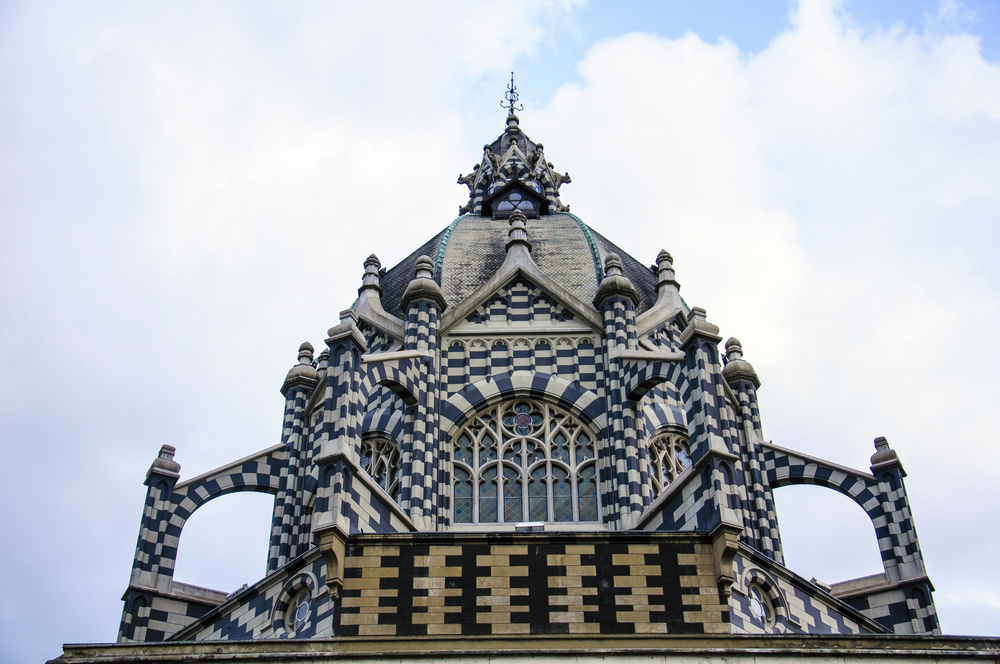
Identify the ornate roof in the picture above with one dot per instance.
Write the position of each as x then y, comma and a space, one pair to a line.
472, 249
513, 156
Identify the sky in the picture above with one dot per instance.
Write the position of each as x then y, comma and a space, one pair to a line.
188, 191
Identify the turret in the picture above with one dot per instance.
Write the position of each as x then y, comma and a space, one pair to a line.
423, 302
300, 382
736, 367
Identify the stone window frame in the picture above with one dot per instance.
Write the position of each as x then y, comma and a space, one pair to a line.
503, 466
669, 456
383, 463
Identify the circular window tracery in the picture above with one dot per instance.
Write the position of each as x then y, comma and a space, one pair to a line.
760, 606
524, 461
298, 610
670, 456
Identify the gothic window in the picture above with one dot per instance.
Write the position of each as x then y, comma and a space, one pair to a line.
380, 459
524, 461
670, 456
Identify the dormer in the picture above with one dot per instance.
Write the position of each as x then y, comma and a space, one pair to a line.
515, 195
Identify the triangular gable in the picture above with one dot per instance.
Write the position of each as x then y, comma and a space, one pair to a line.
570, 311
519, 303
515, 195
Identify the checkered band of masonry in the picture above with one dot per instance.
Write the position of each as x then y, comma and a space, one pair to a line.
521, 429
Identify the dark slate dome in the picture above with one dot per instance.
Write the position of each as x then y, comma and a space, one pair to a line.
472, 249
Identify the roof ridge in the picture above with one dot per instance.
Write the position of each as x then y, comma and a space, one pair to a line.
593, 245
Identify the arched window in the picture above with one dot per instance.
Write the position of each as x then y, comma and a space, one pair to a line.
670, 456
380, 459
524, 461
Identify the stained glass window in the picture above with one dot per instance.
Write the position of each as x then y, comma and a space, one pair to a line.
529, 462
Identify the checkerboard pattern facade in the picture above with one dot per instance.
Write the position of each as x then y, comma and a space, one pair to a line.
905, 609
884, 500
465, 585
799, 607
263, 611
761, 520
591, 352
520, 302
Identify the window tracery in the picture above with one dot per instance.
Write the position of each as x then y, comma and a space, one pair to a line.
380, 460
524, 461
670, 456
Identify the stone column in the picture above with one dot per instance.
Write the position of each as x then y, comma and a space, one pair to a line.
623, 467
297, 388
424, 302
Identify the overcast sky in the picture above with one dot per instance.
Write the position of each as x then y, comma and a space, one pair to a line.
188, 191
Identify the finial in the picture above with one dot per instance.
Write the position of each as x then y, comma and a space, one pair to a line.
615, 283
424, 269
511, 97
736, 368
518, 234
734, 349
164, 464
306, 353
885, 457
667, 288
371, 278
613, 265
423, 286
301, 375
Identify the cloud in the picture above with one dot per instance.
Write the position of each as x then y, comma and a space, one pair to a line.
832, 202
188, 193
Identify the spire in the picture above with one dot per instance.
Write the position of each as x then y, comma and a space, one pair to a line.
667, 288
518, 246
511, 97
370, 281
513, 157
369, 304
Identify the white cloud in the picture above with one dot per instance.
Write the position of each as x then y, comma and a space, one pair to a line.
832, 202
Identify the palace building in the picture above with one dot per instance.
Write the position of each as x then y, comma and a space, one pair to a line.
520, 438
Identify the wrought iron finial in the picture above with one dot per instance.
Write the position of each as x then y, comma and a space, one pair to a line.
511, 98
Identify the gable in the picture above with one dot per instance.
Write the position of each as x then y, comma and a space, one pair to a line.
519, 304
516, 195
